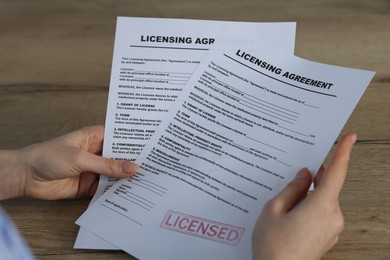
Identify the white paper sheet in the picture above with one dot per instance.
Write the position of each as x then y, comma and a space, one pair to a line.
246, 122
147, 75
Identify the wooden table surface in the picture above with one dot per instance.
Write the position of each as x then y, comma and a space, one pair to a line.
55, 62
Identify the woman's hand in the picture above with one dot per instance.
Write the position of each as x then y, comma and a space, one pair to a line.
298, 224
63, 168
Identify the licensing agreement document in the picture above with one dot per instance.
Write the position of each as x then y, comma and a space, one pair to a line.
246, 122
153, 60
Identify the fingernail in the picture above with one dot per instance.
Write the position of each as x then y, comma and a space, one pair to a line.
354, 138
302, 174
129, 167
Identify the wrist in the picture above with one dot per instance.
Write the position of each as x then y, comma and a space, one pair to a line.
12, 174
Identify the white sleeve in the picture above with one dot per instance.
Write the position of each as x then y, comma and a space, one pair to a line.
12, 245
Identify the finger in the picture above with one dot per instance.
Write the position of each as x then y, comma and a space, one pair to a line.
293, 193
89, 139
108, 167
88, 183
333, 178
317, 179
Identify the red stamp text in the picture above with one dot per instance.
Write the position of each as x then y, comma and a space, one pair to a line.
203, 228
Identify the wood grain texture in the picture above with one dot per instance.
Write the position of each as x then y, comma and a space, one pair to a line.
55, 62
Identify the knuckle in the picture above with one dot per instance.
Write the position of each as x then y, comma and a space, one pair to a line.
298, 185
78, 157
333, 211
272, 206
338, 223
109, 165
294, 184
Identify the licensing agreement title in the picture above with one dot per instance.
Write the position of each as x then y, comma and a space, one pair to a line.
295, 77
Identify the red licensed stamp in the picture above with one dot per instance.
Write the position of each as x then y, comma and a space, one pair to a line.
203, 228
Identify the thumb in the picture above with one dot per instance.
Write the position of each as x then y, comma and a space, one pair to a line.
294, 192
105, 166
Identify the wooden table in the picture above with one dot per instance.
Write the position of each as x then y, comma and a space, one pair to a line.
55, 61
